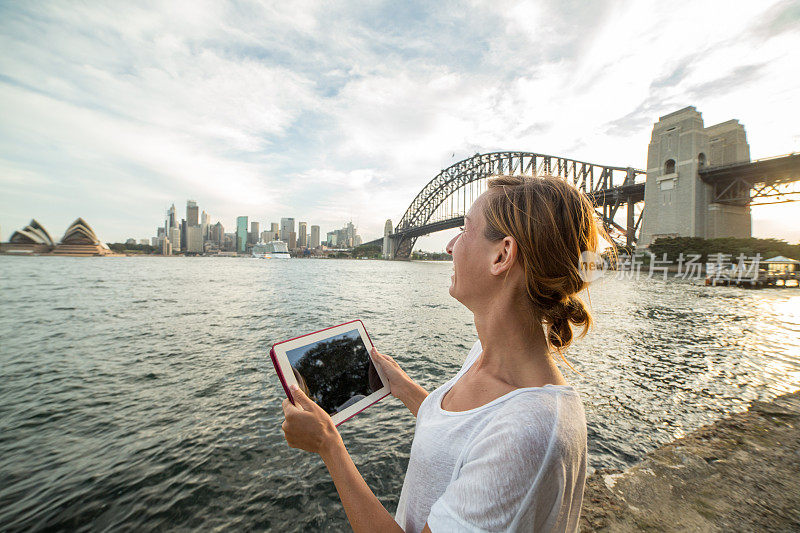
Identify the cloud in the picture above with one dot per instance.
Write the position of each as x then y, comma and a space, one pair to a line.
327, 112
736, 79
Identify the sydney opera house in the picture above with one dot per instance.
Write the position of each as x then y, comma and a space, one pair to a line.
78, 240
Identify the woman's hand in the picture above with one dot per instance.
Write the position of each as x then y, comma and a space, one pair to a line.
398, 379
401, 386
307, 425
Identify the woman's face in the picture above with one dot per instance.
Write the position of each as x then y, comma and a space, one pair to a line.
472, 258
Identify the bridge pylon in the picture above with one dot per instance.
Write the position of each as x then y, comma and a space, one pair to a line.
678, 202
388, 241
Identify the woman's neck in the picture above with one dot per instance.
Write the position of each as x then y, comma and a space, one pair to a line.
515, 350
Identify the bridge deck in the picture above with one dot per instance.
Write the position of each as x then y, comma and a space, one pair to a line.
782, 169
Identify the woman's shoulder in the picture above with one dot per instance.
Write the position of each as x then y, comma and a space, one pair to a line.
540, 414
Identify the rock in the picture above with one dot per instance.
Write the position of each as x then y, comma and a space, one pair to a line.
738, 474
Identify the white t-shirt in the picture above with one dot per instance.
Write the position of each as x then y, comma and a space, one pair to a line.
517, 463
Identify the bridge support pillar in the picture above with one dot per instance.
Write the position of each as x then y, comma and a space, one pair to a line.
630, 233
388, 242
677, 201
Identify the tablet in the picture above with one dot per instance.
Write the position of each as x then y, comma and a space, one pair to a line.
333, 367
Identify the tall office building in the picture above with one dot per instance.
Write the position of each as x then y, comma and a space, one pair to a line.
175, 240
218, 234
302, 235
194, 239
204, 225
241, 234
183, 236
171, 221
265, 236
253, 237
191, 213
292, 240
314, 240
287, 227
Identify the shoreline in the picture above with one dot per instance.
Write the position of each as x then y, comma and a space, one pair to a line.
738, 474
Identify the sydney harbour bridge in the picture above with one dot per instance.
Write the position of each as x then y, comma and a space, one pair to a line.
689, 193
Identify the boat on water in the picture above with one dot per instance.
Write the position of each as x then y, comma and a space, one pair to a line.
271, 250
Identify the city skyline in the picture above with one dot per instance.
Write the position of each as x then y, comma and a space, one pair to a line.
109, 111
195, 232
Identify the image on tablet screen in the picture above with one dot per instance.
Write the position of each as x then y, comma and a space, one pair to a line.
335, 372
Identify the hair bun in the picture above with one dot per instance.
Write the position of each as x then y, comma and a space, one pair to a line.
567, 311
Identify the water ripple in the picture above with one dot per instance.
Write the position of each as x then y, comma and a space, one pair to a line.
137, 393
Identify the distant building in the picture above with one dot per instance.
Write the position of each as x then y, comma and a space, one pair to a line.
287, 227
154, 242
254, 234
332, 238
33, 238
217, 234
183, 236
166, 247
144, 242
241, 234
292, 240
80, 239
204, 225
194, 239
302, 235
130, 242
192, 213
345, 237
229, 242
265, 236
275, 230
175, 240
314, 240
171, 221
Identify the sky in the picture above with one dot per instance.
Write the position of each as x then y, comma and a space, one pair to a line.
336, 111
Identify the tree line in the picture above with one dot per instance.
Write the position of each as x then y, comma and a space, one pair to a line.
674, 246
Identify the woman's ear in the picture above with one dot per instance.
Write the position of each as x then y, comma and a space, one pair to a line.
505, 255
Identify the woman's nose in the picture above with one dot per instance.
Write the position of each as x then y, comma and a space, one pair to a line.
449, 247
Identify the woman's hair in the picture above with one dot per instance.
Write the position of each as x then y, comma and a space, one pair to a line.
553, 223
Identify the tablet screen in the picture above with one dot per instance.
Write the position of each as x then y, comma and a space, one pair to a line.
335, 372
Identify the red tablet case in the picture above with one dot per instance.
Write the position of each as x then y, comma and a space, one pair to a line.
283, 380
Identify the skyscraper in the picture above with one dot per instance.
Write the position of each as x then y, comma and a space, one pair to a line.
275, 231
171, 221
287, 227
194, 239
218, 234
183, 236
292, 240
204, 219
241, 234
302, 236
175, 240
253, 237
314, 241
191, 213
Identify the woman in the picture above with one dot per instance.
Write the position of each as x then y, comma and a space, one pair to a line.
502, 445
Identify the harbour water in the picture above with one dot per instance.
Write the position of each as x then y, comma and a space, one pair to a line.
137, 393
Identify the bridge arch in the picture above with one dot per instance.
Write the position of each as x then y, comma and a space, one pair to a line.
608, 187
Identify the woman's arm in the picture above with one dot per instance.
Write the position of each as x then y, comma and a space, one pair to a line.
364, 511
412, 395
402, 387
309, 427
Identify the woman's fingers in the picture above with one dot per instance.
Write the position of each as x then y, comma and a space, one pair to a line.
303, 401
